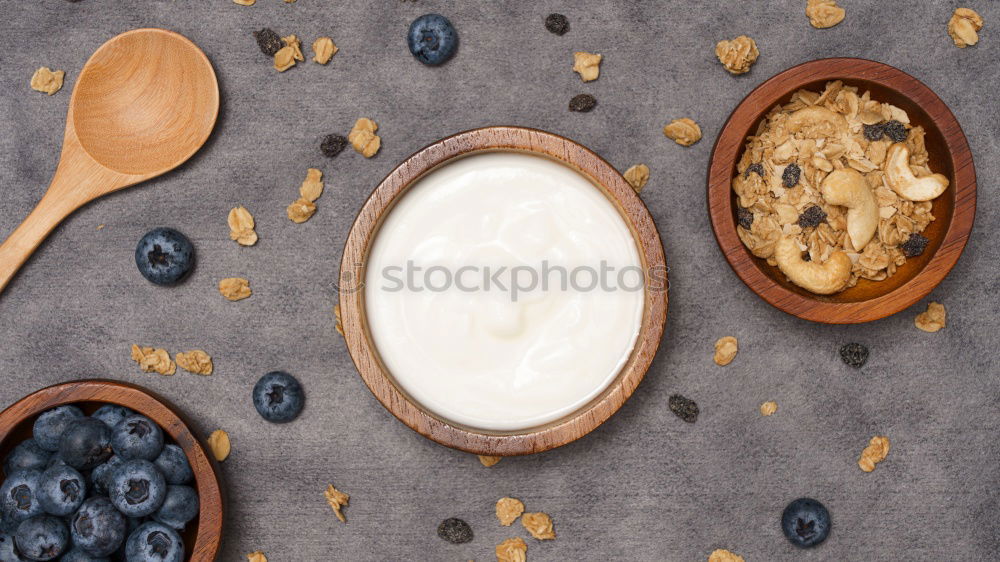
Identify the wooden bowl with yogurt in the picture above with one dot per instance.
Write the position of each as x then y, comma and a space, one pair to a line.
491, 371
954, 210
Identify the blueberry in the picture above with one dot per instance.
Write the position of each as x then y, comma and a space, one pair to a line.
112, 414
173, 463
62, 490
790, 177
98, 528
854, 354
50, 425
179, 507
19, 498
455, 531
100, 477
432, 39
914, 245
85, 443
278, 397
137, 437
154, 542
43, 537
164, 256
79, 555
8, 552
805, 522
896, 131
27, 455
137, 488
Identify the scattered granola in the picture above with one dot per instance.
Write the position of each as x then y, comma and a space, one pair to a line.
557, 23
684, 408
539, 525
312, 186
512, 550
582, 103
637, 176
963, 27
508, 510
488, 461
874, 453
587, 65
323, 50
332, 145
363, 137
339, 326
268, 41
153, 360
824, 13
684, 131
723, 555
256, 557
47, 81
218, 441
284, 59
337, 500
768, 408
301, 210
933, 319
737, 55
235, 288
241, 226
725, 350
195, 361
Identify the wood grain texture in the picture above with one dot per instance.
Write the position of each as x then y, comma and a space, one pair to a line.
954, 210
143, 104
352, 304
201, 542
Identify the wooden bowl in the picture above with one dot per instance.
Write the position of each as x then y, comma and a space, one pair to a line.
380, 380
202, 536
954, 210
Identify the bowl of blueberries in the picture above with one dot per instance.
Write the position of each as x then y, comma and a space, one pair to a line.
101, 470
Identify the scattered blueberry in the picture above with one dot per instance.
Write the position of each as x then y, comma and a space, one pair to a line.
582, 103
100, 477
154, 542
685, 408
19, 498
137, 488
164, 256
179, 507
874, 132
43, 537
27, 455
8, 552
98, 528
756, 168
557, 23
806, 522
896, 130
332, 145
791, 175
50, 425
173, 463
744, 216
278, 397
914, 245
455, 531
112, 414
79, 555
137, 437
85, 444
432, 39
61, 491
812, 217
854, 354
268, 41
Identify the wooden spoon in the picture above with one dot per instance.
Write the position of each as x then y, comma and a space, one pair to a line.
143, 104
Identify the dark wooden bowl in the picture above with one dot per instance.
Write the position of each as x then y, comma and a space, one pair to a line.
954, 211
202, 536
380, 380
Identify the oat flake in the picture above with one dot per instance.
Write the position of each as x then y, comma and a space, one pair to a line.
723, 555
637, 176
195, 361
508, 510
737, 55
241, 226
933, 320
235, 288
363, 137
963, 27
337, 501
246, 3
218, 441
725, 350
539, 525
312, 186
824, 13
684, 131
284, 59
153, 360
874, 453
768, 408
301, 210
47, 81
512, 550
587, 65
323, 50
488, 461
256, 556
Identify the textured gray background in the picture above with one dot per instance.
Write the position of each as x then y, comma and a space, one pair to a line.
644, 486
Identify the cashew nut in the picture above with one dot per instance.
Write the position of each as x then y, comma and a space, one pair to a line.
815, 116
907, 185
848, 188
820, 278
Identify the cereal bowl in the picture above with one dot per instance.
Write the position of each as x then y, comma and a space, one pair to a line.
954, 210
202, 535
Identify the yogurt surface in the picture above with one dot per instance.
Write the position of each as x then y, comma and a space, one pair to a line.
452, 309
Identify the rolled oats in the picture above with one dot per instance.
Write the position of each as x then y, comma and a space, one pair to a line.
47, 81
312, 186
587, 65
539, 525
195, 361
218, 441
153, 360
723, 555
301, 210
934, 319
323, 50
737, 55
235, 288
725, 350
824, 13
241, 226
337, 500
684, 131
963, 27
512, 550
768, 408
245, 3
508, 510
256, 556
874, 453
296, 45
637, 176
489, 461
363, 137
284, 59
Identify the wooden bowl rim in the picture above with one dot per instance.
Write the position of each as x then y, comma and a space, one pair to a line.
729, 146
379, 204
209, 532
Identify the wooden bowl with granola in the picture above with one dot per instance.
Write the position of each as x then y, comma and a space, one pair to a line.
201, 536
842, 190
454, 385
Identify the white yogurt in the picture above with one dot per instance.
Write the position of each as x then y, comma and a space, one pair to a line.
503, 359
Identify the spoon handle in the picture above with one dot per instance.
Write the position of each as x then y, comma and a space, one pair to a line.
21, 243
